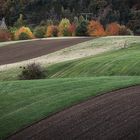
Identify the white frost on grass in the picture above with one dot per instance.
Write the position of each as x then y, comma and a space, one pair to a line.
86, 49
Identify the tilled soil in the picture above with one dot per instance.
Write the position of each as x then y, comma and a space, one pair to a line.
32, 49
112, 116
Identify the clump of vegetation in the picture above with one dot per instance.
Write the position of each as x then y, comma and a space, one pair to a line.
63, 27
39, 31
31, 72
81, 29
4, 35
96, 29
113, 29
22, 31
52, 31
24, 36
125, 31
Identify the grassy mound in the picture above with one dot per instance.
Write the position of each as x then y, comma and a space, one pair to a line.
25, 102
121, 62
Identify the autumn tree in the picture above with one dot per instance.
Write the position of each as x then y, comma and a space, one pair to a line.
113, 29
63, 27
95, 28
24, 31
72, 29
52, 31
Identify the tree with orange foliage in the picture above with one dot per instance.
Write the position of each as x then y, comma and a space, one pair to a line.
52, 31
113, 29
95, 29
24, 30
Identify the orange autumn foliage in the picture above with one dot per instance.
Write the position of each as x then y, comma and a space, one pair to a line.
52, 31
95, 29
113, 29
24, 30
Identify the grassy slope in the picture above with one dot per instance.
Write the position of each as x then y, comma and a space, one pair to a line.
120, 62
24, 102
123, 62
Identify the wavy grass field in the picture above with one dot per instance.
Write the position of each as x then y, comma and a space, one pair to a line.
25, 102
121, 62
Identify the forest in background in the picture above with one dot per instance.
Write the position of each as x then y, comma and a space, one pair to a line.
32, 13
106, 11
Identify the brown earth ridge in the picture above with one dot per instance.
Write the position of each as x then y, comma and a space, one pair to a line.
27, 50
111, 116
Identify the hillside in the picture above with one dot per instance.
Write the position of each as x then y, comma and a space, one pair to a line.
103, 56
24, 102
121, 62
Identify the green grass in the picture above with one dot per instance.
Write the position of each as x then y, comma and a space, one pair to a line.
122, 62
25, 102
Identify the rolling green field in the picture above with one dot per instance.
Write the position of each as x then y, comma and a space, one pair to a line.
121, 62
25, 102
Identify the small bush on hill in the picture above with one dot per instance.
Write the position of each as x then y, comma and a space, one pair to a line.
4, 35
25, 30
31, 72
39, 31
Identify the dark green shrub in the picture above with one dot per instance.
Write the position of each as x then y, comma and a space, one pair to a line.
24, 36
32, 71
39, 32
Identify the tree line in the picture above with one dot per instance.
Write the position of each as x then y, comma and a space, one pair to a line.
126, 12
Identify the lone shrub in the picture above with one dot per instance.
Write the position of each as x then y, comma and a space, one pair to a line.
31, 72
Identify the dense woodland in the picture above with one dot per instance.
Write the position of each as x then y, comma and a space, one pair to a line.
36, 12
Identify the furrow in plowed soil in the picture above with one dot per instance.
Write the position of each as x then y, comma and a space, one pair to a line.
112, 116
32, 49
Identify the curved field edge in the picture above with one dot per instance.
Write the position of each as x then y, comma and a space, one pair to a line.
81, 50
23, 103
123, 62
